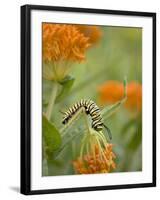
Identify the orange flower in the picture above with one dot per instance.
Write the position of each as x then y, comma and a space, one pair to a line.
96, 155
92, 32
134, 96
99, 161
112, 91
63, 42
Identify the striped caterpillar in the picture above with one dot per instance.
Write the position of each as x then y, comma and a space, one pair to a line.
91, 109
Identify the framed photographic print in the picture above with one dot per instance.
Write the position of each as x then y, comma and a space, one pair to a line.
88, 99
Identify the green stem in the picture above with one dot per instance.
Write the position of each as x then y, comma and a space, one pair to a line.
101, 136
93, 148
101, 150
52, 100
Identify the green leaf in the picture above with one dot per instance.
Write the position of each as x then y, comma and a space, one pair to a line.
109, 110
51, 137
66, 83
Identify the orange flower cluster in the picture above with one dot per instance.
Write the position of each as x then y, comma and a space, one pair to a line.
63, 42
112, 91
97, 162
92, 32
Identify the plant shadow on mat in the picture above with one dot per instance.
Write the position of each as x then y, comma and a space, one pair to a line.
92, 120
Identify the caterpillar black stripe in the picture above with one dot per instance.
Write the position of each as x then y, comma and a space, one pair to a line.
91, 109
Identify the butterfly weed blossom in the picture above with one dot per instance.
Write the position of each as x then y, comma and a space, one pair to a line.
96, 155
94, 33
62, 46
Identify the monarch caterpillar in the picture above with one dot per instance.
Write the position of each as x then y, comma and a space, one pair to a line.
90, 109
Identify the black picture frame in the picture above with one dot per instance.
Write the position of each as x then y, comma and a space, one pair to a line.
26, 98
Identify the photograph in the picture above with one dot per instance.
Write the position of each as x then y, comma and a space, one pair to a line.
92, 99
88, 102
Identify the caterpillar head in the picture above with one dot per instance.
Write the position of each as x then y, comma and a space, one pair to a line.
64, 121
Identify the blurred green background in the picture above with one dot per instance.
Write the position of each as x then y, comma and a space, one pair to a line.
116, 55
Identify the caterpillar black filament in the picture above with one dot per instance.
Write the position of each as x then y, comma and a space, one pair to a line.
91, 109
